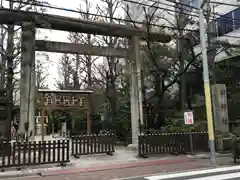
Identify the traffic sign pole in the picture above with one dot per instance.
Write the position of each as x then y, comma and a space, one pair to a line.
189, 120
191, 142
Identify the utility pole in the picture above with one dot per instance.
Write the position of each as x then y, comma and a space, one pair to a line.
206, 82
210, 35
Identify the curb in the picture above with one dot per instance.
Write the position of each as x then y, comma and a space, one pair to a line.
223, 155
17, 174
114, 166
207, 156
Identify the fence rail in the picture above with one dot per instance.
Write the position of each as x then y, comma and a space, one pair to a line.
35, 153
93, 144
172, 142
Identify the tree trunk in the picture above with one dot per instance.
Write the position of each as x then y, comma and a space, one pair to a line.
159, 91
10, 51
76, 84
10, 47
3, 59
182, 89
89, 75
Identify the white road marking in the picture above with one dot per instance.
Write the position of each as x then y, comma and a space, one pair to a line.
192, 173
219, 177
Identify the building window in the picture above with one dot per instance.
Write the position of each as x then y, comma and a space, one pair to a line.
81, 101
66, 100
57, 100
74, 100
49, 99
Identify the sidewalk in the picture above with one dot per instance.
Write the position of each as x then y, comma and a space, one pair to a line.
121, 159
123, 173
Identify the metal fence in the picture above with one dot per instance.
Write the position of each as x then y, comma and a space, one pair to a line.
35, 153
93, 144
172, 143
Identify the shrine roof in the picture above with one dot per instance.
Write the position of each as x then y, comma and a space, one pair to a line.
79, 91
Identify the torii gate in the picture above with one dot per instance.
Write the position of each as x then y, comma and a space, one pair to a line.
31, 20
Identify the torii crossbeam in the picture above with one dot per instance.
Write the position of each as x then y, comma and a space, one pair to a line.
48, 21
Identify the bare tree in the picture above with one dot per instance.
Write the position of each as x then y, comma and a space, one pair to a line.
41, 74
165, 62
111, 72
81, 76
65, 72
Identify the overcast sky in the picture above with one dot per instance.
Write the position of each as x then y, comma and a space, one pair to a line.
52, 66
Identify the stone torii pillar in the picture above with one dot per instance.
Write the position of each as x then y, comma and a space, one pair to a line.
135, 88
27, 82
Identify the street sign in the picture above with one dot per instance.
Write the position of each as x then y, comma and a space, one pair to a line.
188, 118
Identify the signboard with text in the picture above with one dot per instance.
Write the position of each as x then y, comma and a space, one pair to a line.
65, 99
188, 118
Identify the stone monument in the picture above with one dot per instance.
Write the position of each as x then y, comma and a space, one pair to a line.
39, 126
63, 131
220, 108
221, 121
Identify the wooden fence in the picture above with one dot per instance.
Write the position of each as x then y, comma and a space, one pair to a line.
52, 152
172, 143
200, 141
35, 153
93, 144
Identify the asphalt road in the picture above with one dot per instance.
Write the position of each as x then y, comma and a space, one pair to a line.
221, 173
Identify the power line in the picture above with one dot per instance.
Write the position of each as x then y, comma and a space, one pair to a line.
184, 8
188, 10
117, 19
157, 7
213, 13
77, 11
193, 7
227, 19
223, 3
182, 13
103, 16
108, 17
178, 3
186, 5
